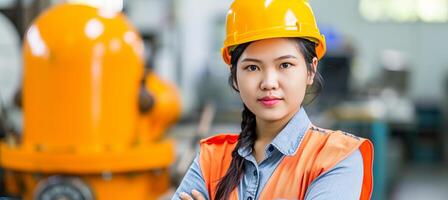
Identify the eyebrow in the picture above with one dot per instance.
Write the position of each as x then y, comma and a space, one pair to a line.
251, 60
259, 61
285, 57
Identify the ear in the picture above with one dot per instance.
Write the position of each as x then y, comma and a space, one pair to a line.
312, 73
235, 85
234, 82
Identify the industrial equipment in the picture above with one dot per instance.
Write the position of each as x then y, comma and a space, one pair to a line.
89, 131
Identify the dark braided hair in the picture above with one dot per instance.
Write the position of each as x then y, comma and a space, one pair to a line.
248, 135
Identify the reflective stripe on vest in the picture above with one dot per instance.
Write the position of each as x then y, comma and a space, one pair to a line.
319, 151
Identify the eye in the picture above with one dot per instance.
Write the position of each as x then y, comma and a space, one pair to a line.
285, 65
251, 68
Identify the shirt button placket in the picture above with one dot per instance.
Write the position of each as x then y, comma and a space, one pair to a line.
251, 192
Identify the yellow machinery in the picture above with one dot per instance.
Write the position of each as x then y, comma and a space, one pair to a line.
93, 122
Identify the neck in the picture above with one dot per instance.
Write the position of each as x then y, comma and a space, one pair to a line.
267, 130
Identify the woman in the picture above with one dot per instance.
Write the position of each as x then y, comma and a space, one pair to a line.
273, 48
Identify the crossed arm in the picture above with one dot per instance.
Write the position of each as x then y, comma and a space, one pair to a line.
343, 182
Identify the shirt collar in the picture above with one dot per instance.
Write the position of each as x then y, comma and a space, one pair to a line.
289, 138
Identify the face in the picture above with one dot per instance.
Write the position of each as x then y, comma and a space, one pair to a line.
272, 78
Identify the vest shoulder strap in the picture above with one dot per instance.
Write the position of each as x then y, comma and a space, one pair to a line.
214, 158
330, 146
221, 138
319, 151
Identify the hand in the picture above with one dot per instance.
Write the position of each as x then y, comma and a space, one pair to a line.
196, 194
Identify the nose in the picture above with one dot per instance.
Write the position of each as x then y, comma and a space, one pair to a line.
269, 80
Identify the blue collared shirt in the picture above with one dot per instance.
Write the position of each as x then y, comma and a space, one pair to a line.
342, 182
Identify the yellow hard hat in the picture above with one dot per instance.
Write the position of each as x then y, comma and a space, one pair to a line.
251, 20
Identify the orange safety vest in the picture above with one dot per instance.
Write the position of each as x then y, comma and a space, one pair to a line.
319, 151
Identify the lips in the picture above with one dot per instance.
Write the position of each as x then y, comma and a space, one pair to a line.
269, 101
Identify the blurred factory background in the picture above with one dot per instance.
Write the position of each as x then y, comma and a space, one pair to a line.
127, 126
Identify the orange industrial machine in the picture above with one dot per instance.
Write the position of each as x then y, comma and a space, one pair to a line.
93, 123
